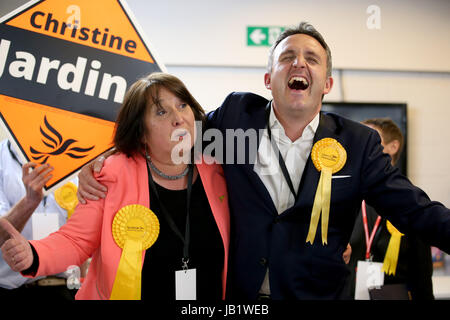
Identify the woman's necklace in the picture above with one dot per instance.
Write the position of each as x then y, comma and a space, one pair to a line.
162, 174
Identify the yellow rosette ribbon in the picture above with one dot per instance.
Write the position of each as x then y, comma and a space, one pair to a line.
393, 249
328, 157
66, 197
135, 228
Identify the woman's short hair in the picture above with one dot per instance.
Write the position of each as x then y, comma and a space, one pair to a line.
130, 123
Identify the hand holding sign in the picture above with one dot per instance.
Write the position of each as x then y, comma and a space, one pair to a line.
16, 251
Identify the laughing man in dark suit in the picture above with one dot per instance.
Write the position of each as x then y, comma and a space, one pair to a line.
272, 198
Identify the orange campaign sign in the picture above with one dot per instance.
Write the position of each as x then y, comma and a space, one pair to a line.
64, 69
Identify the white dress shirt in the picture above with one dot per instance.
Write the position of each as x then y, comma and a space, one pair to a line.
295, 155
12, 191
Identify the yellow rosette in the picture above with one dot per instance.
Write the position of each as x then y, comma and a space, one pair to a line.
135, 228
393, 249
328, 157
66, 197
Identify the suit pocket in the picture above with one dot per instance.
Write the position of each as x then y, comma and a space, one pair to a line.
328, 276
341, 182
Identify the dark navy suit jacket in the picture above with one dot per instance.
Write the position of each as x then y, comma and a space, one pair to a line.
261, 238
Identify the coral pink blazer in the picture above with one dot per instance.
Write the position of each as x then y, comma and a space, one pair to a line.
88, 232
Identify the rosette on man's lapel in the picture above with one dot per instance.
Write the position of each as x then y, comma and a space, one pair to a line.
328, 156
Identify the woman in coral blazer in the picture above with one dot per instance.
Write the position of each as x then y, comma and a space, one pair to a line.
157, 115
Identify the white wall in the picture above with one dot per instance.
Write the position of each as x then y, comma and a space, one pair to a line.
407, 60
205, 32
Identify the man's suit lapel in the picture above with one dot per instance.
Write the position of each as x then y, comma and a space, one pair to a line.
256, 119
310, 179
328, 128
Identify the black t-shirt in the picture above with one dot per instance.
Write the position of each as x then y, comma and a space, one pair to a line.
206, 252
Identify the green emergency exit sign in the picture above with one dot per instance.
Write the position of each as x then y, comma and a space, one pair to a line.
259, 36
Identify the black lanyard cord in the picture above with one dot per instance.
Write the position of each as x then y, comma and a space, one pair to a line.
168, 217
13, 154
284, 170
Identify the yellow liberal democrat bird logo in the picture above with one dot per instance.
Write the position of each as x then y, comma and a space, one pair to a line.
54, 140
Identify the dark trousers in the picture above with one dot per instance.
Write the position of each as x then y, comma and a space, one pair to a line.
38, 293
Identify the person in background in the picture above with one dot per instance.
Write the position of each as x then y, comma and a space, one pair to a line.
189, 198
22, 203
414, 265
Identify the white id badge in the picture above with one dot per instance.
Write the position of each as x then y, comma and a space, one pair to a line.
43, 224
186, 284
368, 275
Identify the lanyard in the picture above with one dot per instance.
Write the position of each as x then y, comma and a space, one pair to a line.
369, 240
168, 217
12, 153
284, 170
